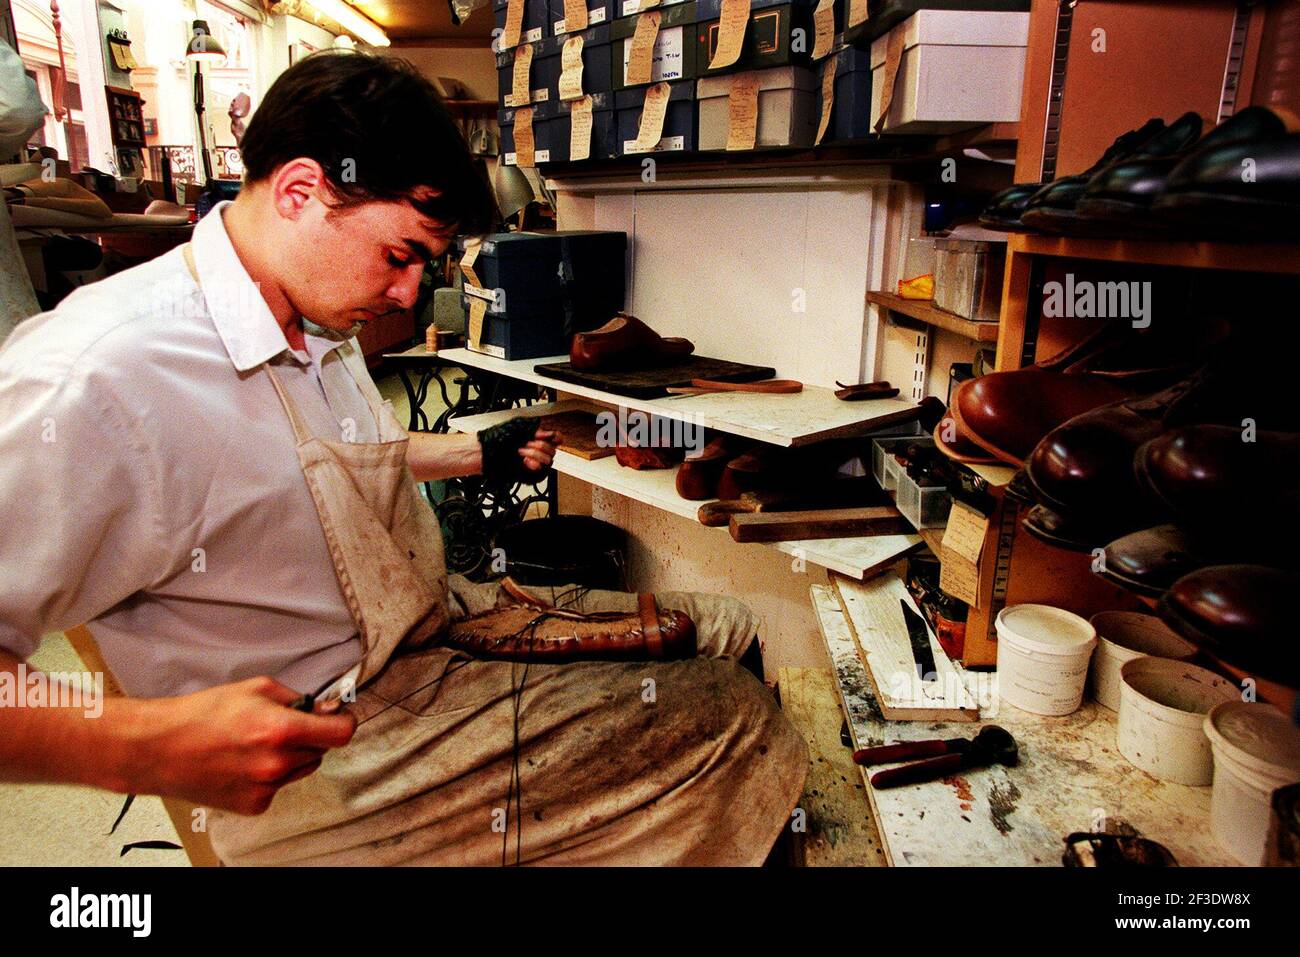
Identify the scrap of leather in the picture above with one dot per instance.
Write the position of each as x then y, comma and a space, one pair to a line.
865, 390
550, 635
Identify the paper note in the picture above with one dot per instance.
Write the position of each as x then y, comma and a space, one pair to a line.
643, 6
651, 128
571, 69
467, 262
575, 15
642, 48
477, 310
742, 105
824, 28
580, 130
893, 57
524, 137
519, 92
828, 98
731, 33
963, 543
514, 23
857, 13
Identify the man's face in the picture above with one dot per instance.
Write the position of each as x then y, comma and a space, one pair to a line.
356, 263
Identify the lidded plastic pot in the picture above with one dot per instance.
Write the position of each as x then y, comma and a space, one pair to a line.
1043, 655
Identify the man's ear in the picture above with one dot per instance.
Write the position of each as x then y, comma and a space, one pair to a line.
295, 185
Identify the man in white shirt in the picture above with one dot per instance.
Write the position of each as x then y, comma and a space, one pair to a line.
155, 493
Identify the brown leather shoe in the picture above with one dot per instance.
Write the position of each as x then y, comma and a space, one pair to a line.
1150, 561
1241, 614
625, 342
549, 635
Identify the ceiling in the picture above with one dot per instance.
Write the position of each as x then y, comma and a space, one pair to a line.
406, 20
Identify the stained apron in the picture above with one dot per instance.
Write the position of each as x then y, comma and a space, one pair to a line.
457, 760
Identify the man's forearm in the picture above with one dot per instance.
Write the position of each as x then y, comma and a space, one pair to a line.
433, 457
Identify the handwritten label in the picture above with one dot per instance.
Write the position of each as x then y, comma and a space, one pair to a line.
519, 93
828, 98
731, 33
524, 155
580, 130
575, 15
824, 25
571, 69
893, 57
651, 127
857, 13
742, 105
963, 543
467, 263
641, 49
514, 23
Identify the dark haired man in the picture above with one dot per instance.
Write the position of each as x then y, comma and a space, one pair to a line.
198, 464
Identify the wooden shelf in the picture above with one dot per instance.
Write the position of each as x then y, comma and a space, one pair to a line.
785, 420
856, 557
923, 310
1244, 257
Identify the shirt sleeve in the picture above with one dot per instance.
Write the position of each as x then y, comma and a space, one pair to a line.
21, 109
83, 530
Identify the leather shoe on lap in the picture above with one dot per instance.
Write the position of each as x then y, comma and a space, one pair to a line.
1244, 615
625, 342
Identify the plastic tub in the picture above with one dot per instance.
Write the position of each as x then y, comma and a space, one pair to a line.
1123, 636
1256, 751
1043, 657
1163, 704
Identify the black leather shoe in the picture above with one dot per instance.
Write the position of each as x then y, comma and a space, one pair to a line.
1054, 208
1122, 193
1005, 208
1150, 561
1248, 190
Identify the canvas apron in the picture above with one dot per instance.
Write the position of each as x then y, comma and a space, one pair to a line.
462, 761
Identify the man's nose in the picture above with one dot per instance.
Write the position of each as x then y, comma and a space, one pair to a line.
407, 287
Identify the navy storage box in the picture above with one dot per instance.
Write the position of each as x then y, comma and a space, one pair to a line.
598, 12
604, 129
548, 61
536, 23
541, 288
542, 144
851, 109
674, 49
679, 119
537, 89
769, 36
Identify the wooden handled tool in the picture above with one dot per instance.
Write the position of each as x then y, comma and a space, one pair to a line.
771, 386
818, 523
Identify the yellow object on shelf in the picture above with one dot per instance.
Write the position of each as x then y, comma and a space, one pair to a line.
918, 287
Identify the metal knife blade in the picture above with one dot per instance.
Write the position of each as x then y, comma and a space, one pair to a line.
919, 635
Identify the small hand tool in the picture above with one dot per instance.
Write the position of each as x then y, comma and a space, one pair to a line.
992, 745
919, 635
865, 390
772, 386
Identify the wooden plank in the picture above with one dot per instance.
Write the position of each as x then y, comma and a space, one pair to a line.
1071, 777
925, 311
817, 523
876, 621
838, 827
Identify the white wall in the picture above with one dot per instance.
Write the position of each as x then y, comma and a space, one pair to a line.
473, 66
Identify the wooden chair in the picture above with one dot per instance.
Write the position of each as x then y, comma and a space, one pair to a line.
196, 843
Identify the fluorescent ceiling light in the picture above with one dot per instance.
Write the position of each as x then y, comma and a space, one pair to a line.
352, 20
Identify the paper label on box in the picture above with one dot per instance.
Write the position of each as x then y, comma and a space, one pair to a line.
731, 33
668, 144
575, 12
509, 159
580, 130
593, 17
824, 24
963, 544
524, 137
828, 98
857, 13
637, 6
571, 69
467, 260
474, 328
639, 54
665, 60
471, 287
651, 128
519, 84
533, 35
514, 23
742, 108
894, 47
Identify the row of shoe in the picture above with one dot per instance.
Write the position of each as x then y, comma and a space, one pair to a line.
1240, 180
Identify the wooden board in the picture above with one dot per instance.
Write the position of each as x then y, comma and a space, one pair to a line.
1071, 777
838, 827
578, 431
876, 621
817, 523
654, 383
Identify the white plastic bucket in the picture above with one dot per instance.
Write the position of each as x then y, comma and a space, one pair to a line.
1256, 751
1123, 636
1043, 657
1163, 704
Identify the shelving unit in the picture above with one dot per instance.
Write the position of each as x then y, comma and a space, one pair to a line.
926, 312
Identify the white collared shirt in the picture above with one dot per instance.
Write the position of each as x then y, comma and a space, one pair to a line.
151, 484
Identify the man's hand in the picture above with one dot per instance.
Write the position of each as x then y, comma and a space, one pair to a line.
234, 746
540, 450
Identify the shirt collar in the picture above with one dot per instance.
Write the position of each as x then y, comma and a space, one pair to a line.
243, 320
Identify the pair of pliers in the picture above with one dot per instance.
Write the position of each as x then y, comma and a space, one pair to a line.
992, 745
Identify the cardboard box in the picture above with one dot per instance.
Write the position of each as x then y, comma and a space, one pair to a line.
537, 89
541, 288
957, 70
851, 106
542, 133
679, 119
548, 60
674, 50
887, 14
604, 129
598, 12
787, 108
536, 23
768, 35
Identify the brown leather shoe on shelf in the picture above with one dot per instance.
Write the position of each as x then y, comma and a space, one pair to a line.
949, 440
625, 342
